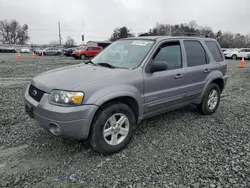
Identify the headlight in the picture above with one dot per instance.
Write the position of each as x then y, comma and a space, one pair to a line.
66, 98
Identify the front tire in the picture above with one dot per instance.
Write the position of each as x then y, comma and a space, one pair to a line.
112, 128
82, 56
210, 101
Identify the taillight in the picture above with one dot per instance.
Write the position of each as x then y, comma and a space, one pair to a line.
226, 68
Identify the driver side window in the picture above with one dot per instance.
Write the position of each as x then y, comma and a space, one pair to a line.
171, 53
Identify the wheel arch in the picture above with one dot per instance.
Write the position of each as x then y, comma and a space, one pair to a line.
125, 99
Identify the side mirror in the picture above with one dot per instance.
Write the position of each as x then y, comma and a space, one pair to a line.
158, 66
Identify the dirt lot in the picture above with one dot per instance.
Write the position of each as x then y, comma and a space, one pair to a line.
178, 149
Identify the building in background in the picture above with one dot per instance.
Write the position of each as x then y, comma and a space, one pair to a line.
103, 44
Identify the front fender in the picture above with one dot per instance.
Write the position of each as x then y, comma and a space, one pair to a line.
108, 93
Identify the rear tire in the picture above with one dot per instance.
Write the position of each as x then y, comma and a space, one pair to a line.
209, 105
107, 122
58, 53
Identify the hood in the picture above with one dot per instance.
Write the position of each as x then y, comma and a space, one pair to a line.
70, 77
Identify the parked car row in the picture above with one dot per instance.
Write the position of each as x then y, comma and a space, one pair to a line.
91, 50
49, 51
237, 53
7, 50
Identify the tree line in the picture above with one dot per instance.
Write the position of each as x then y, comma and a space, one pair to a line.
226, 39
11, 32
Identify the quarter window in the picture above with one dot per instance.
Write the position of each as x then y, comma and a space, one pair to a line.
213, 48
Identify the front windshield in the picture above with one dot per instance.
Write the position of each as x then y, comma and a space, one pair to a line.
125, 53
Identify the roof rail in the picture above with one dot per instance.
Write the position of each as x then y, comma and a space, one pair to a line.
192, 34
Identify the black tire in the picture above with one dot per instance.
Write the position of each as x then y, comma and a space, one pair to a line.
203, 106
234, 57
97, 140
83, 56
58, 53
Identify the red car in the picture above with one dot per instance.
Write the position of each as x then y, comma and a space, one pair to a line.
90, 51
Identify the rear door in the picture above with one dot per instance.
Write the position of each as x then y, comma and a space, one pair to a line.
165, 89
49, 51
90, 52
97, 50
242, 53
199, 66
247, 53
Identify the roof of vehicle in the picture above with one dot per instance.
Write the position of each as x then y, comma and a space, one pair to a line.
100, 41
167, 37
94, 47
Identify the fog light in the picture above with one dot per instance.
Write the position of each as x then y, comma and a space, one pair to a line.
54, 129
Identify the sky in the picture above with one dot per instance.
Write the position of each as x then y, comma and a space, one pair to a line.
96, 19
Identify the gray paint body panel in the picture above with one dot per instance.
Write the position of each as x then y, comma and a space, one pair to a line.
155, 93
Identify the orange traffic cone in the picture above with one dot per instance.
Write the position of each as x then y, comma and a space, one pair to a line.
42, 54
242, 63
19, 58
33, 55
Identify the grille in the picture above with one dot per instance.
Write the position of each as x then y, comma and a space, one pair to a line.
35, 93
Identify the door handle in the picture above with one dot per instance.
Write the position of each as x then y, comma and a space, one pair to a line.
207, 70
178, 76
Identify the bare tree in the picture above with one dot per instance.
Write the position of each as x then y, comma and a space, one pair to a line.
11, 32
70, 42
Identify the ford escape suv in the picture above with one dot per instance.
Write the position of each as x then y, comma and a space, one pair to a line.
104, 99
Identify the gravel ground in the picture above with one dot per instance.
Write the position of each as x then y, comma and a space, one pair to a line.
179, 149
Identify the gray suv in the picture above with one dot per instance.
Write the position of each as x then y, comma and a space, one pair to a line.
104, 99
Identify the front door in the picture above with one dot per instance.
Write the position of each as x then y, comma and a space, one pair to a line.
165, 89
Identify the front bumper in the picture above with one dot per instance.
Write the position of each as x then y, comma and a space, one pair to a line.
72, 122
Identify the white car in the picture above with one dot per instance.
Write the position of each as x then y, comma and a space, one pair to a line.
25, 50
237, 53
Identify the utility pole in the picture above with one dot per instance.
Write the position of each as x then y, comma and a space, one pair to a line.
83, 32
60, 38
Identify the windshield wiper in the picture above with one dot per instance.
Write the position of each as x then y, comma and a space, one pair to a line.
90, 62
106, 65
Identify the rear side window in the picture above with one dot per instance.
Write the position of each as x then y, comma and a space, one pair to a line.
196, 54
214, 49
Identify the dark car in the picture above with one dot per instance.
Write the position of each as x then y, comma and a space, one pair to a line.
68, 51
7, 50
